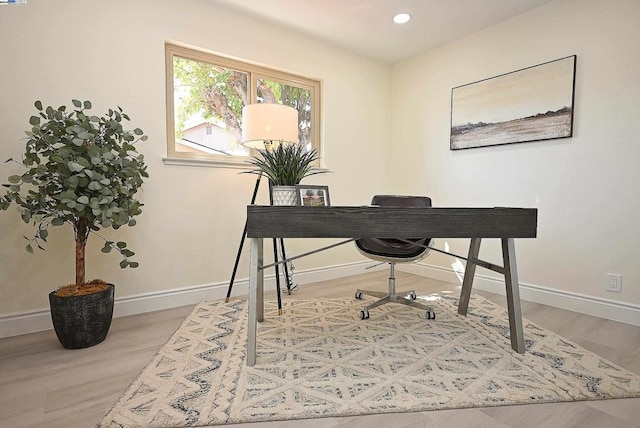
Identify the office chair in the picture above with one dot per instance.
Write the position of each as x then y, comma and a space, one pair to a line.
394, 251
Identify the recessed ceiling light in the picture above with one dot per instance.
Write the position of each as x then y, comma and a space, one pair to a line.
401, 18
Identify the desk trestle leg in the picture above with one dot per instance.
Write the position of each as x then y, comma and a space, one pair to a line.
510, 273
256, 297
513, 295
469, 272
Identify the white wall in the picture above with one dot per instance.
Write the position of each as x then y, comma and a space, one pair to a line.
112, 53
587, 188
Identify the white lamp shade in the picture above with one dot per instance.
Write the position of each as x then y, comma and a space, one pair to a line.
268, 122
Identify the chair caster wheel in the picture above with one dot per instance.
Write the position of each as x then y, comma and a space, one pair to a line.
413, 295
431, 315
358, 295
364, 314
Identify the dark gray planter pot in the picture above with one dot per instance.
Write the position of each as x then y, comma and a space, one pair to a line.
82, 321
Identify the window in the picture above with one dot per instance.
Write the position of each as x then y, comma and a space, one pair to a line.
205, 96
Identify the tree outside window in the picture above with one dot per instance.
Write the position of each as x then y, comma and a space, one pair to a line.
206, 94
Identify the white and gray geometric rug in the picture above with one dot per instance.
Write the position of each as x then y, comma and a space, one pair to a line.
320, 360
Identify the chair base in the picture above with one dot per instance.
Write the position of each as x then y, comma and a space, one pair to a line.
406, 298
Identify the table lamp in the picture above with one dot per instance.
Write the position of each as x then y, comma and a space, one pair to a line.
265, 125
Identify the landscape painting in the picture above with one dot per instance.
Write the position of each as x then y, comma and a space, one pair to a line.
532, 104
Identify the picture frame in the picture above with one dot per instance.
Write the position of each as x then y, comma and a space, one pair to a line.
312, 195
531, 104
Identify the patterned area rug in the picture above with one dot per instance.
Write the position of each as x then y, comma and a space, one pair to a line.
319, 360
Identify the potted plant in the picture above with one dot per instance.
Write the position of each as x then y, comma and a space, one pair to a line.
285, 166
81, 170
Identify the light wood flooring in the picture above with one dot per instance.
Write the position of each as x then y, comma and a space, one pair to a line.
43, 385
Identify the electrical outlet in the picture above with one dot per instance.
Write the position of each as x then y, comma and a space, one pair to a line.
614, 282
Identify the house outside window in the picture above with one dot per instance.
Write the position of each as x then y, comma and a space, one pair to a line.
205, 96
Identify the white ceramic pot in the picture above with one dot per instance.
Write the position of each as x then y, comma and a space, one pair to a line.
284, 195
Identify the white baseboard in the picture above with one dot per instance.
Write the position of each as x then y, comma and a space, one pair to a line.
39, 320
610, 309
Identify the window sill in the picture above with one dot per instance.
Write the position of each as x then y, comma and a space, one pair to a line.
209, 163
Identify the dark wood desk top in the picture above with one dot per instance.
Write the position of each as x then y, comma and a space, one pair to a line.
390, 222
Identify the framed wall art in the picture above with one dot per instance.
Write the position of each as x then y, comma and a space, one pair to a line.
532, 104
312, 196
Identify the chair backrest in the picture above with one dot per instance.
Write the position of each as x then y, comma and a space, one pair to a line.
401, 201
394, 249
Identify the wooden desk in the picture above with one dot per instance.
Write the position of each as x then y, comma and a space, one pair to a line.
393, 222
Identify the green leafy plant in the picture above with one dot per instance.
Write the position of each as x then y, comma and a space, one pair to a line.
286, 165
81, 170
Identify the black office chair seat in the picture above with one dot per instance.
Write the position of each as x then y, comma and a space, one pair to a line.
394, 251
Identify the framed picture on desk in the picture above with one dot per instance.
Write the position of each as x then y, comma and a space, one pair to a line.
312, 196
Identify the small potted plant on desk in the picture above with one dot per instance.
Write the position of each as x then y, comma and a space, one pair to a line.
84, 171
285, 166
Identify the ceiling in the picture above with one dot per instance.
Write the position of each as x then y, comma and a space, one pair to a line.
366, 26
